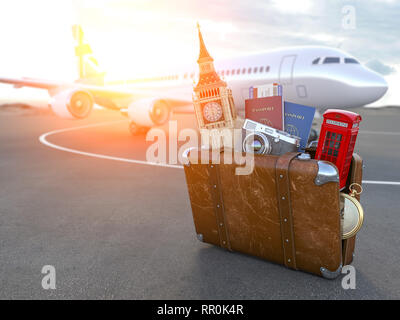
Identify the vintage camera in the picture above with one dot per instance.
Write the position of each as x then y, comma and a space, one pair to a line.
262, 139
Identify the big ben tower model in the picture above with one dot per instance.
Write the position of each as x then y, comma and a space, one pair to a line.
212, 99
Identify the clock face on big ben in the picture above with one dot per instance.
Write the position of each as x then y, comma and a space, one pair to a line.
212, 111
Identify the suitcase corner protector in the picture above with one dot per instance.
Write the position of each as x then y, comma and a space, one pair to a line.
327, 172
185, 156
327, 274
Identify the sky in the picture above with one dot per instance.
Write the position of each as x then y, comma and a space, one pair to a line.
141, 37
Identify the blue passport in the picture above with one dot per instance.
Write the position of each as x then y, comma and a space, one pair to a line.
298, 121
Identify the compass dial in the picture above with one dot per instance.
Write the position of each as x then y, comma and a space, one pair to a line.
212, 111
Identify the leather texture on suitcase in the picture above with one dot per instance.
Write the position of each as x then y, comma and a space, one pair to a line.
286, 211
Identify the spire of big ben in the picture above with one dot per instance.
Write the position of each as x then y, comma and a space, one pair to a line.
212, 99
203, 55
208, 76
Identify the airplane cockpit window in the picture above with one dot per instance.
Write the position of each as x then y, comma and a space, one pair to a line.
315, 61
332, 60
350, 60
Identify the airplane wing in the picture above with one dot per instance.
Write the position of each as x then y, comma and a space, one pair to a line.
29, 82
108, 97
58, 86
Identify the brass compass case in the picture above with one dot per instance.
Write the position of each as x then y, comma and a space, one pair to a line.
352, 215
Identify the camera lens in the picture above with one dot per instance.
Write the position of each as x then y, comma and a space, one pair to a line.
256, 146
256, 143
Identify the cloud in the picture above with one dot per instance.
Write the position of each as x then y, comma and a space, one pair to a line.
380, 67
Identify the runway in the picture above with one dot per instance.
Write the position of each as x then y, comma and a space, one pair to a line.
43, 139
79, 195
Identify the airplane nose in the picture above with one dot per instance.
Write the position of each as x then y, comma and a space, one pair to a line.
380, 86
374, 87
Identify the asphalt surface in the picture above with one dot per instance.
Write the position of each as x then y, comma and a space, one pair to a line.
115, 229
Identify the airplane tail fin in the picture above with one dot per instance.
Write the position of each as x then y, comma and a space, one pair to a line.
88, 67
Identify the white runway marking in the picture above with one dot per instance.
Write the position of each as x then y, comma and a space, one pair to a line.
44, 136
380, 132
393, 183
43, 140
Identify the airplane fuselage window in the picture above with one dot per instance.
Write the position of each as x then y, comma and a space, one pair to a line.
261, 69
332, 60
244, 70
267, 69
238, 71
350, 60
255, 69
233, 72
227, 72
249, 70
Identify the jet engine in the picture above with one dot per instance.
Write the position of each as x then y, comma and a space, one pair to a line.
72, 104
149, 112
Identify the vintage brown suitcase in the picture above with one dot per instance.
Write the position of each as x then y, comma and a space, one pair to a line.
286, 211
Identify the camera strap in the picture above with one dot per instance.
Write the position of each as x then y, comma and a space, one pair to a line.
285, 208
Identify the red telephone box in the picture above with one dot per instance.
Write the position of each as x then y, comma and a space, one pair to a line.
337, 139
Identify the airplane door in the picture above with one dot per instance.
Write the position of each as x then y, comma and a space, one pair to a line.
286, 69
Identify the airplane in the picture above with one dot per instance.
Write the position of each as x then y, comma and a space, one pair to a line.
317, 76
